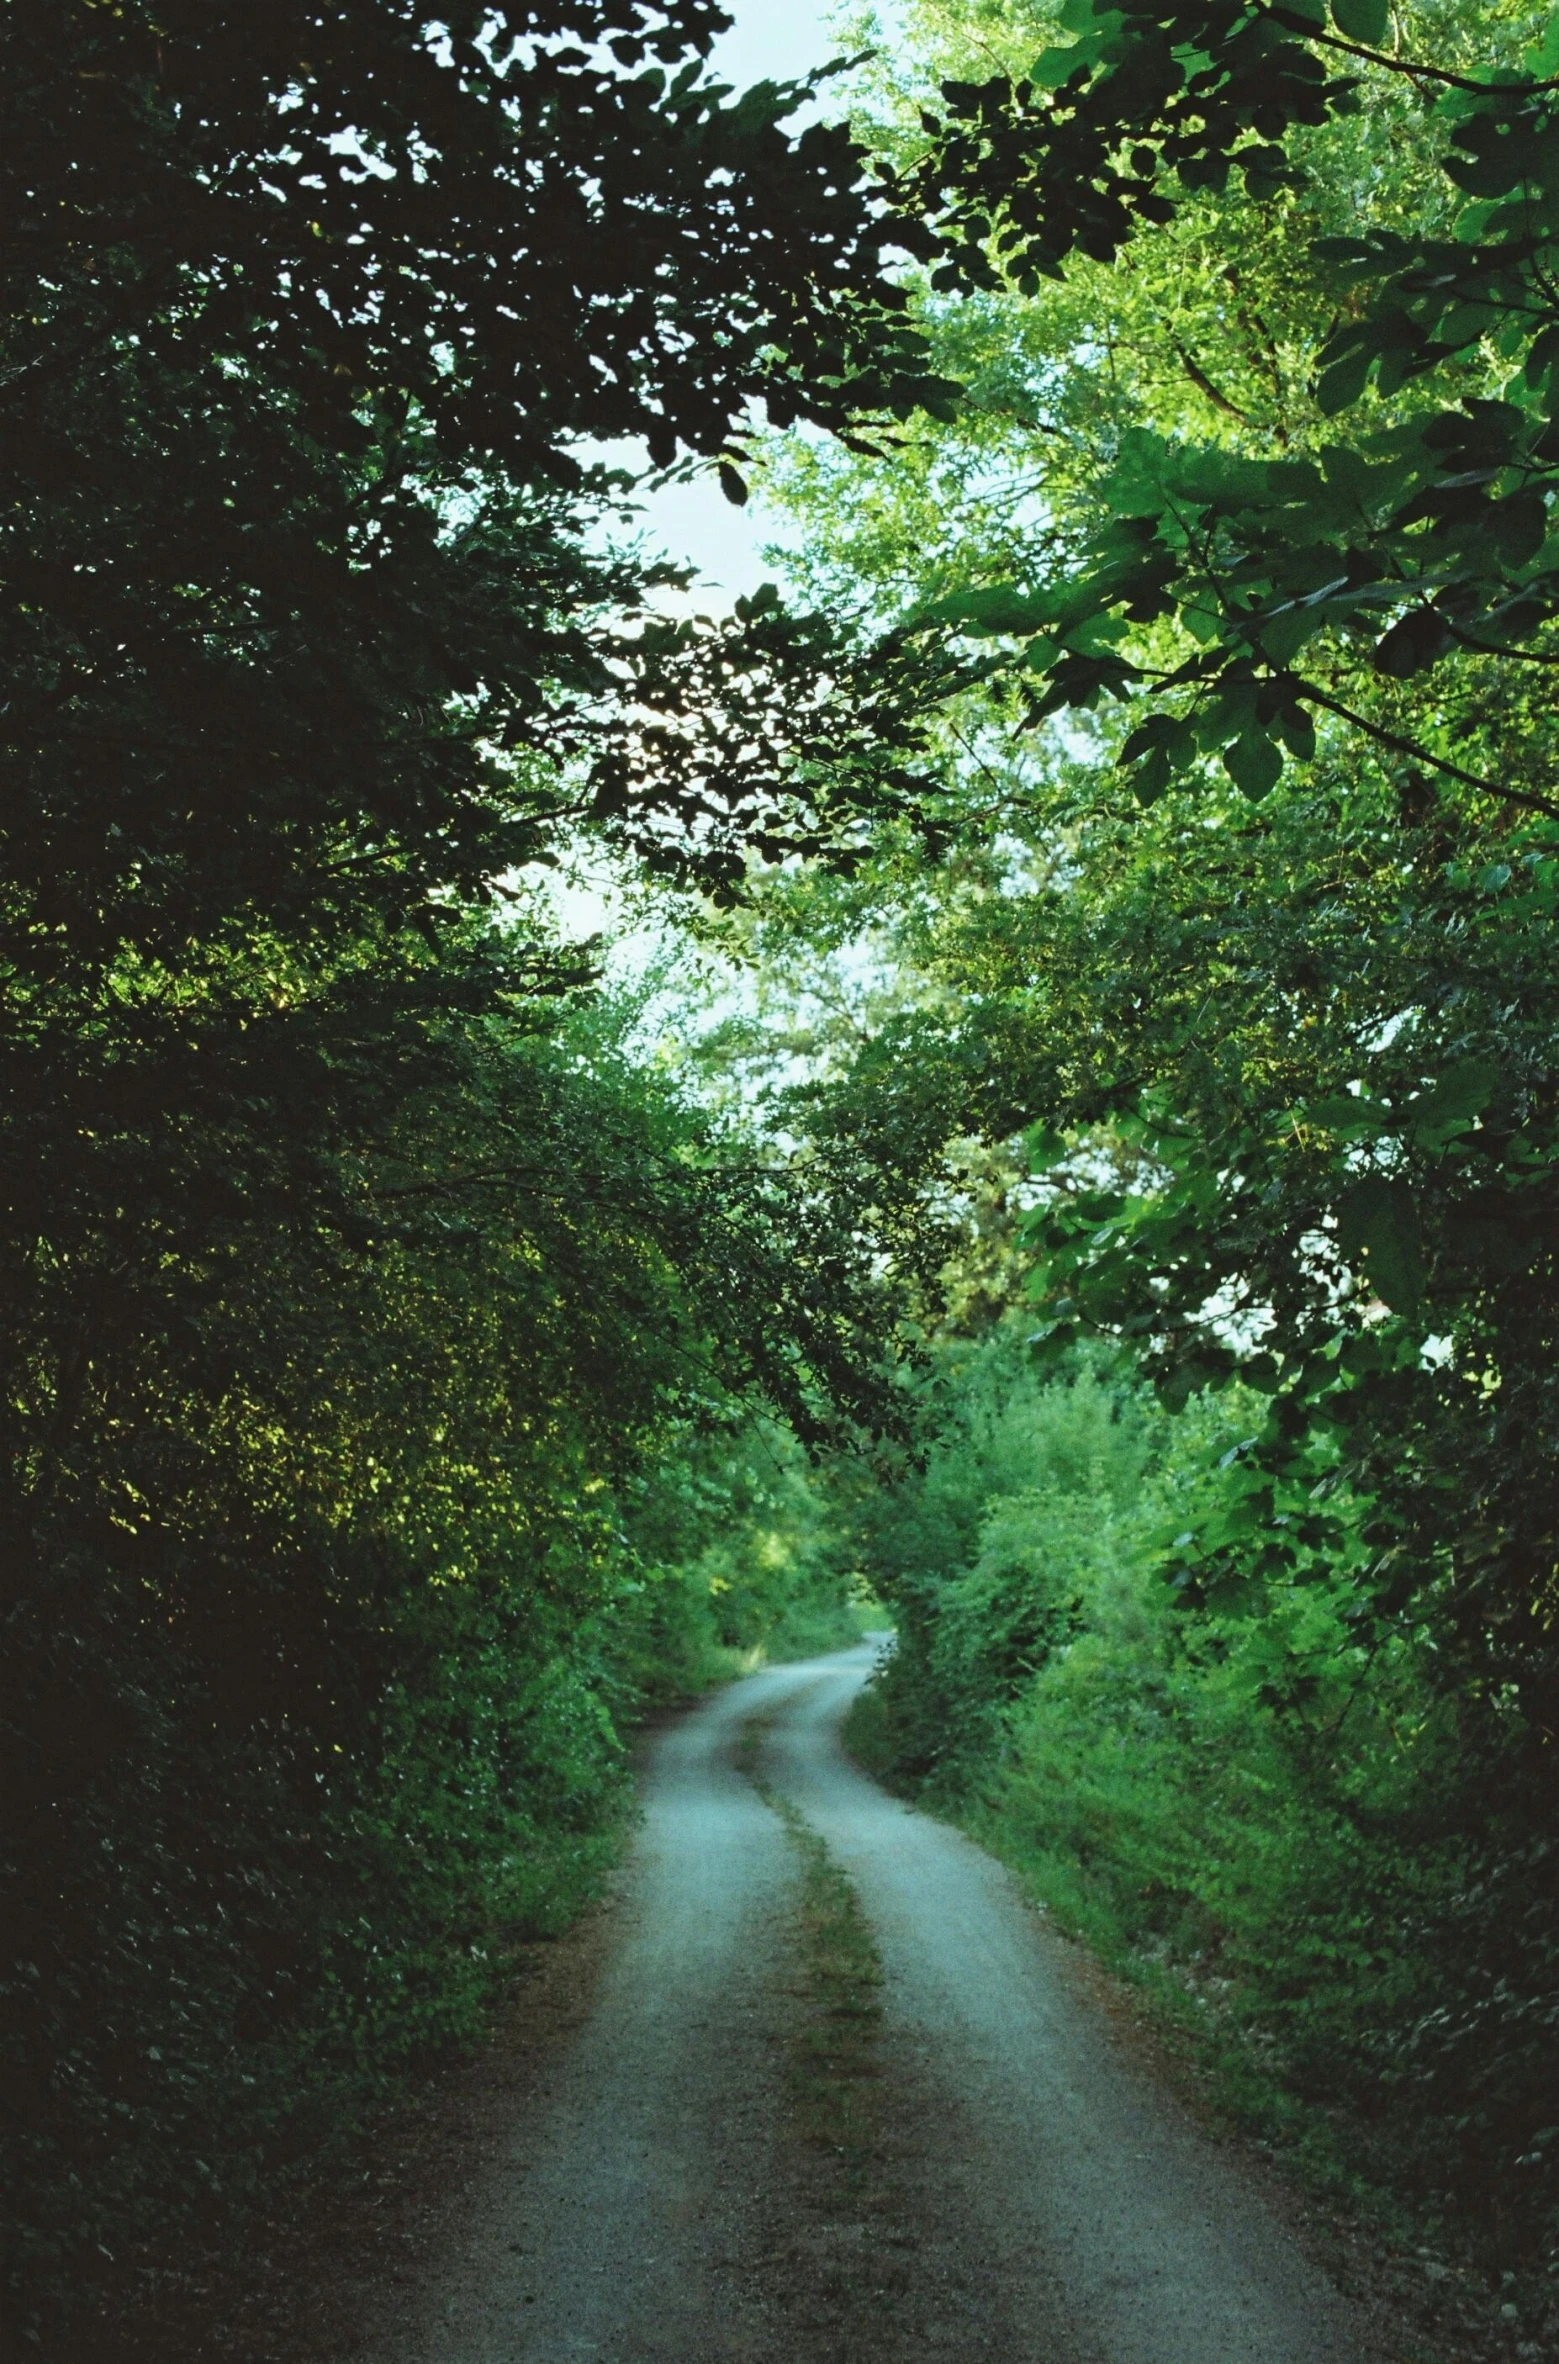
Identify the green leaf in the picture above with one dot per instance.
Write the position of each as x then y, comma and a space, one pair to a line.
1151, 776
1002, 608
1378, 1221
1053, 67
1044, 1146
1154, 752
1362, 20
1351, 1116
1297, 731
1188, 1378
1343, 383
1449, 1105
1096, 636
1413, 642
1254, 763
1283, 635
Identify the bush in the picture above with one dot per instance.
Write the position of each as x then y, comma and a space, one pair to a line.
1336, 1870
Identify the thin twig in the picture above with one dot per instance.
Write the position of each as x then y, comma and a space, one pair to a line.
1400, 65
1440, 763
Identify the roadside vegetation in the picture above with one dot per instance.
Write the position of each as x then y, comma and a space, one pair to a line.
1273, 1825
1225, 1582
403, 1370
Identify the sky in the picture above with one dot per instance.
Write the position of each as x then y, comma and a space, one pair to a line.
770, 41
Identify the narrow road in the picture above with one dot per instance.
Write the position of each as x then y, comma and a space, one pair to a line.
1042, 2200
1140, 2240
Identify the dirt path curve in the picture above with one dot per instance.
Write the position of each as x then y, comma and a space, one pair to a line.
1139, 2241
650, 2210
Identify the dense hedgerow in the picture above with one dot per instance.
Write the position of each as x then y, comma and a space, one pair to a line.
1331, 1865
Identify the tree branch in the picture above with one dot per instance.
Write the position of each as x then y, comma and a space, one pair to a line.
1293, 23
1440, 763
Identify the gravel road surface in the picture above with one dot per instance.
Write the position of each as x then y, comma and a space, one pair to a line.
1139, 2241
1041, 2200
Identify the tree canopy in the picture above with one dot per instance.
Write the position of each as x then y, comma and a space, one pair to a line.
357, 1278
1243, 523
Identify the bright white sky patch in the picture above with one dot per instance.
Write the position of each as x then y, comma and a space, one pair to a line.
770, 41
773, 41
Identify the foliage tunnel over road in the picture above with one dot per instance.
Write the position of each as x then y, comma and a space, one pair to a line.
1164, 702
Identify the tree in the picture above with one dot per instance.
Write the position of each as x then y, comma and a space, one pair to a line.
309, 318
1270, 997
351, 1271
1243, 946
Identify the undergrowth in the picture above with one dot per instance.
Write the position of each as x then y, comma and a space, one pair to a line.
241, 1938
1320, 1876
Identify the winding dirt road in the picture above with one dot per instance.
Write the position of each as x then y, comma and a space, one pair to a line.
1038, 2198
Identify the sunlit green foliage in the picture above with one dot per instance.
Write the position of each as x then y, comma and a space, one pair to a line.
1241, 966
1261, 1811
